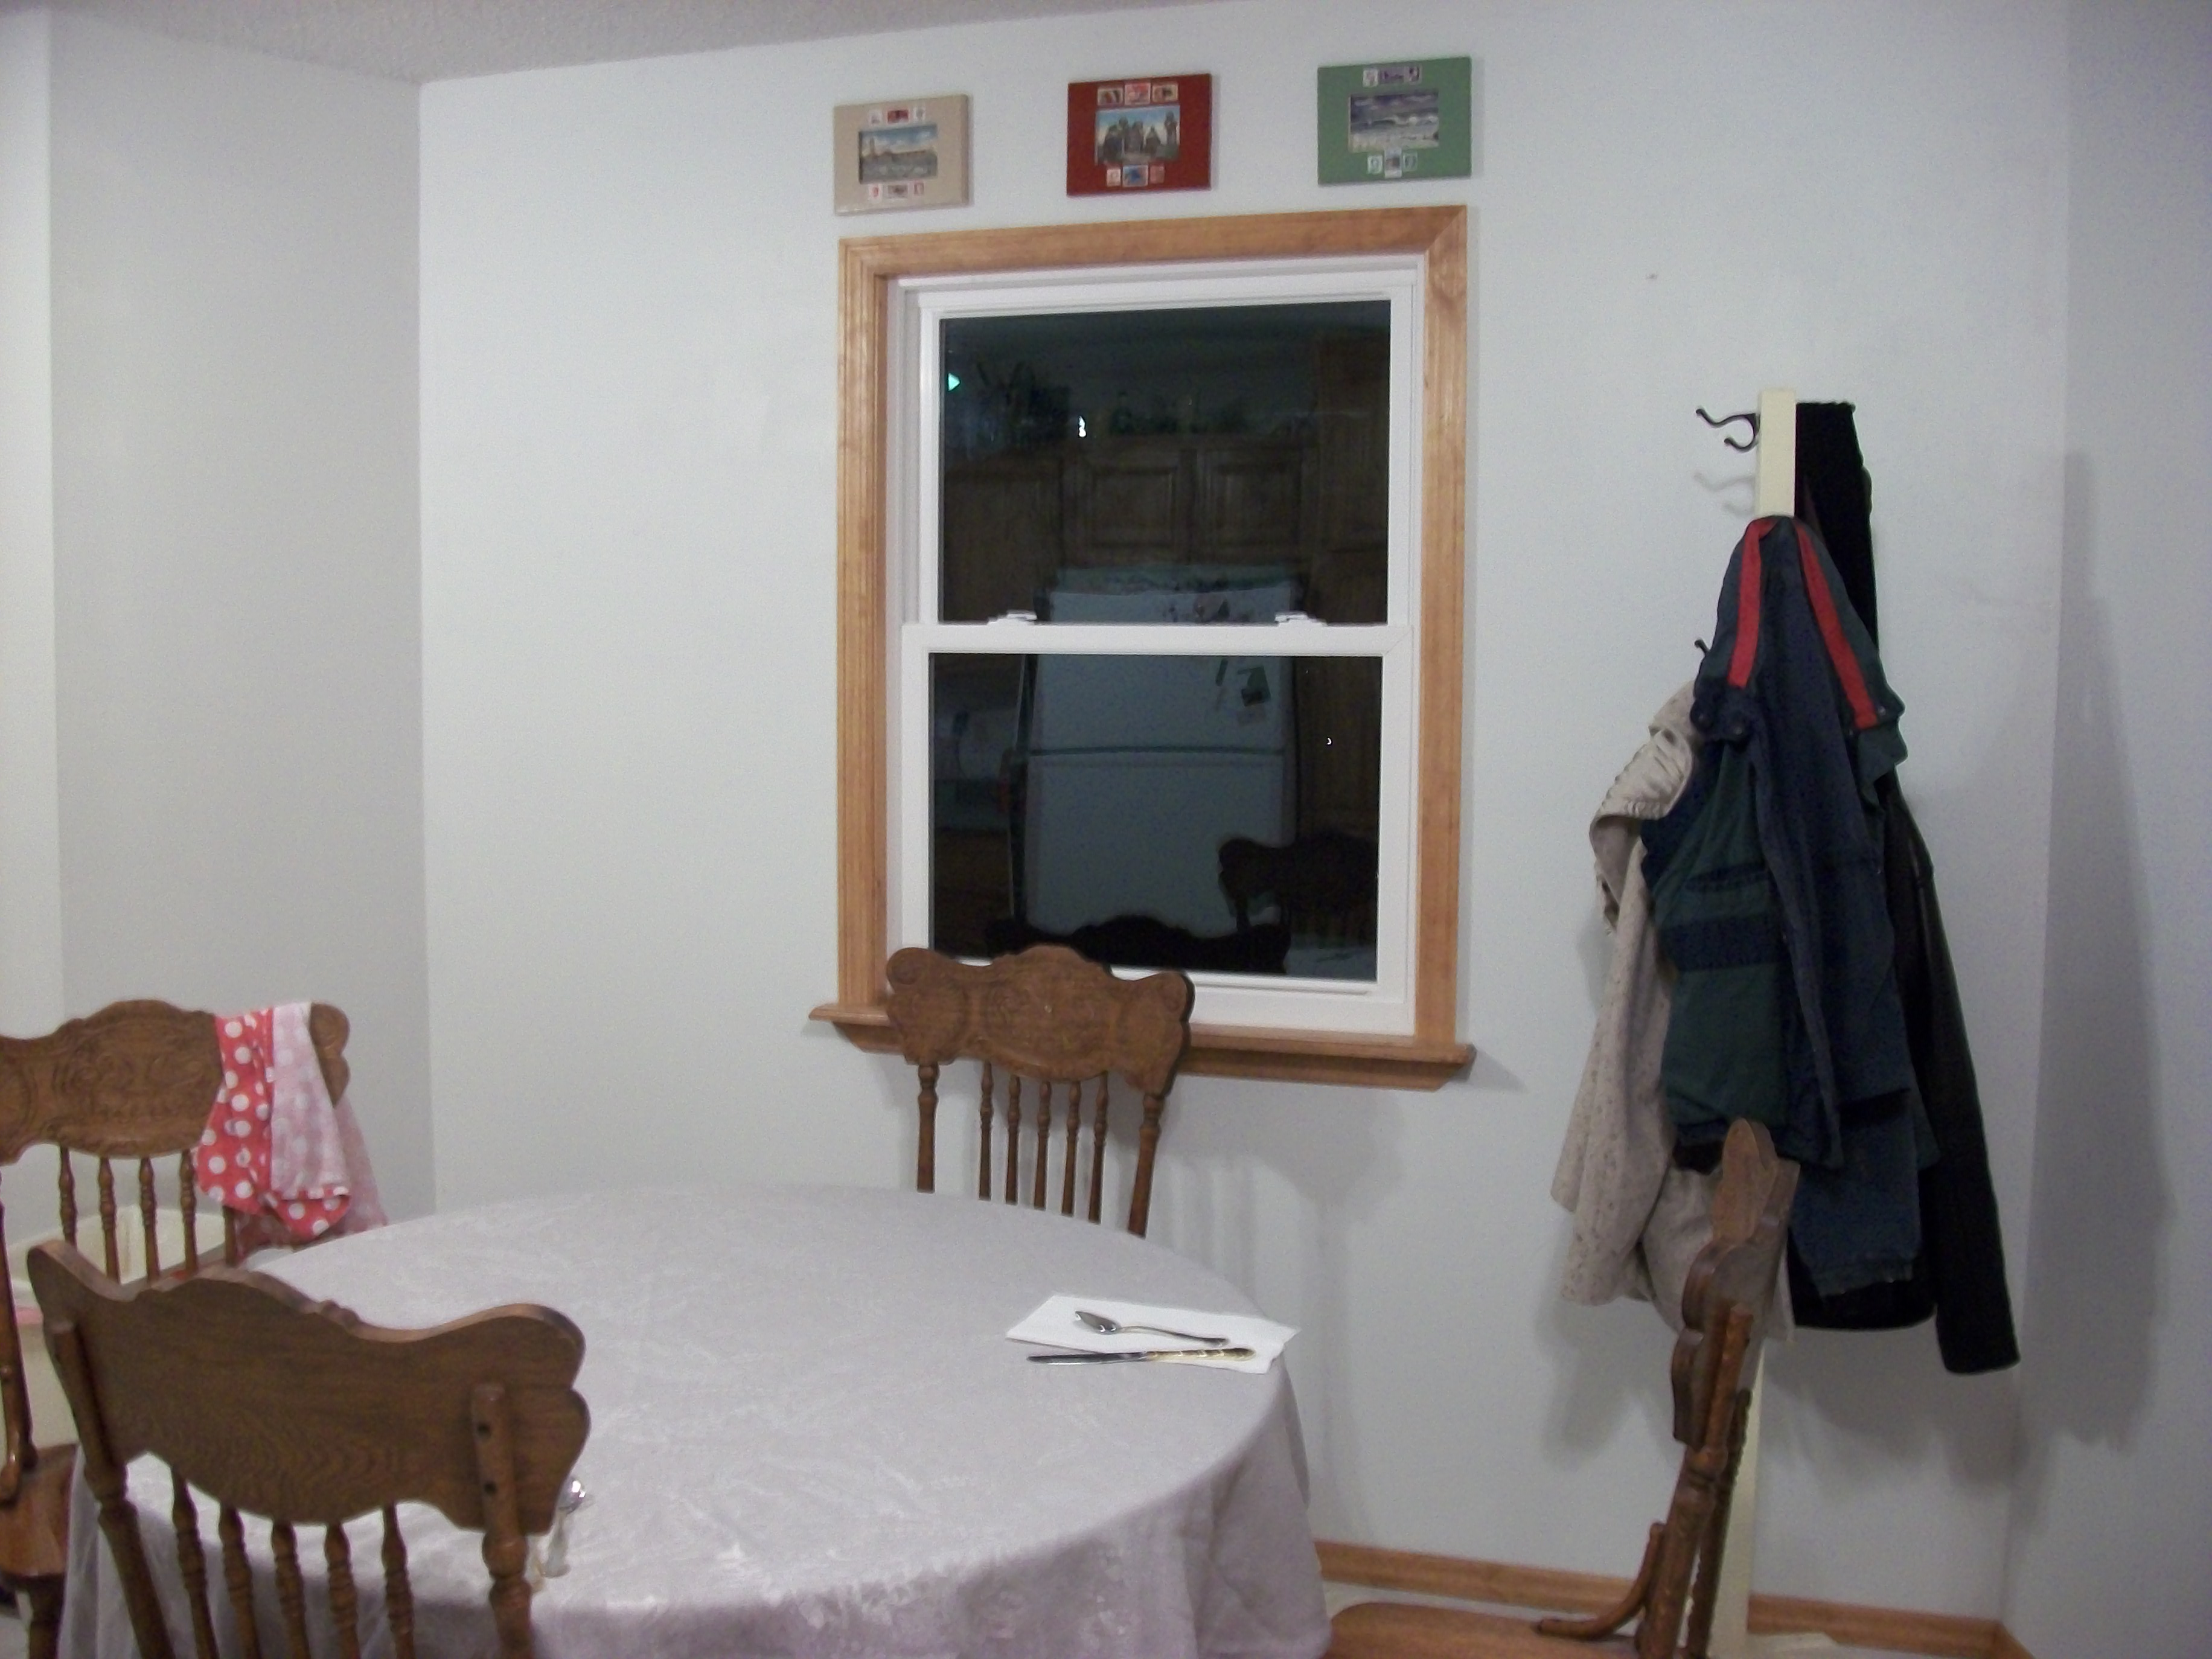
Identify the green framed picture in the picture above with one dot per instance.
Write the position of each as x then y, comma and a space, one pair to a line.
1413, 119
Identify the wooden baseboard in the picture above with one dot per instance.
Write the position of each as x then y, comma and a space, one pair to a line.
1548, 1588
1894, 1630
1946, 1636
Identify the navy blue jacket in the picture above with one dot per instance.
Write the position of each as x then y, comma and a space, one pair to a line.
1768, 887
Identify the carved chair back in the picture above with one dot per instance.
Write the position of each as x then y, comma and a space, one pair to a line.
1062, 1024
275, 1406
1725, 1303
136, 1081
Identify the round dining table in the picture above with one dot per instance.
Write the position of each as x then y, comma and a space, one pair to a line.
812, 1437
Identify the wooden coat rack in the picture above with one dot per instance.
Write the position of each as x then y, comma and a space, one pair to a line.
1774, 492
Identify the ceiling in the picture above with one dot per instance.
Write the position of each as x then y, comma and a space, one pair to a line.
438, 40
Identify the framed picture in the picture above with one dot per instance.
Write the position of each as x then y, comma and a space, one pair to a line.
1155, 132
911, 153
1411, 119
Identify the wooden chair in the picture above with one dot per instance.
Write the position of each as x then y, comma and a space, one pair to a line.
275, 1406
1050, 1016
136, 1081
1724, 1305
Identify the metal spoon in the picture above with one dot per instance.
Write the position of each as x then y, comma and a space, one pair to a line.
1105, 1327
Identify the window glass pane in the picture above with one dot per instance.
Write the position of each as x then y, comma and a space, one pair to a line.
1210, 464
1155, 811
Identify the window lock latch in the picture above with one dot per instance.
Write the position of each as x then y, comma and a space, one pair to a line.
1023, 617
1295, 618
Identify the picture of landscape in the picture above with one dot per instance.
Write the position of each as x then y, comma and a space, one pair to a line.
1394, 120
898, 153
1137, 135
1377, 124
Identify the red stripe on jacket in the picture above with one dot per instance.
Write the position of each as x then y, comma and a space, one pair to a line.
1831, 633
1747, 584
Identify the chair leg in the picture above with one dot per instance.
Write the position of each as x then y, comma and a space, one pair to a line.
1697, 1638
44, 1597
1598, 1626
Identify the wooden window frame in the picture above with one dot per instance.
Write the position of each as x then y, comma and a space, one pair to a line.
870, 269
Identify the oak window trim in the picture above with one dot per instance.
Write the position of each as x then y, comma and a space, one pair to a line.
869, 270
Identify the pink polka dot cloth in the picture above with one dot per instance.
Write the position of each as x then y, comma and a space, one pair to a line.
272, 1146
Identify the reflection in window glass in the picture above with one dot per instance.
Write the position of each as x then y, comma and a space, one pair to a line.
1158, 811
1209, 463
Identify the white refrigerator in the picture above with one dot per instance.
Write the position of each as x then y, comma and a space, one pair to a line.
1138, 769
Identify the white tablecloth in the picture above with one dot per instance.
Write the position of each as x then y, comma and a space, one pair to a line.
810, 1436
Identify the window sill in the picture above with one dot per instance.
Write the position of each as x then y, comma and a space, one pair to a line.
1341, 1057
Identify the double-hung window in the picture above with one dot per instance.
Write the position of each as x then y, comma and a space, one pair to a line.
1149, 569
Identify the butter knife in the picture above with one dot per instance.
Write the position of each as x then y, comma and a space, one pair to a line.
1142, 1353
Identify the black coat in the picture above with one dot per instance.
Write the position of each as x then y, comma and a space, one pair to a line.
1960, 1274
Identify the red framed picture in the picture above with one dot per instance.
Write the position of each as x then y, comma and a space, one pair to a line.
1154, 132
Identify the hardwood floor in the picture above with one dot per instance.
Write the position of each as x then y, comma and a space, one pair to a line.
1339, 1596
1763, 1647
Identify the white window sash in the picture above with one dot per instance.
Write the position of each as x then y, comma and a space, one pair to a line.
916, 373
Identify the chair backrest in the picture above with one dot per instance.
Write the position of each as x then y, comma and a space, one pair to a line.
275, 1406
136, 1081
1725, 1303
1051, 1017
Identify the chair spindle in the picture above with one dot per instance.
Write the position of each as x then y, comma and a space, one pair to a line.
1014, 1137
146, 1216
1098, 1148
107, 1218
1148, 1140
505, 1550
119, 1518
291, 1589
188, 1202
1067, 1152
191, 1565
925, 1156
16, 1393
983, 1113
238, 1579
345, 1606
43, 1620
398, 1593
1043, 1139
68, 1199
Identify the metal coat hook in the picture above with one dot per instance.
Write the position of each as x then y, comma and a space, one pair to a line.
1746, 418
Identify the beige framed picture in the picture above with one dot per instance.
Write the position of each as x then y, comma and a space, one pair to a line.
902, 153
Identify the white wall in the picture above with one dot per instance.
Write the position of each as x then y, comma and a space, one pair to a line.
628, 369
30, 831
2115, 1497
236, 590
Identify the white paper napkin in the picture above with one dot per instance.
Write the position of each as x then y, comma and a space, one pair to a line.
1054, 1325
